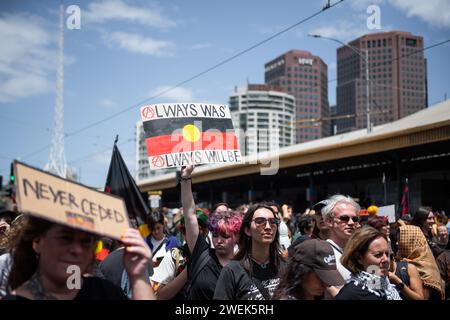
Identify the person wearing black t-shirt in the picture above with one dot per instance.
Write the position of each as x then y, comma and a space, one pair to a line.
253, 274
204, 263
45, 250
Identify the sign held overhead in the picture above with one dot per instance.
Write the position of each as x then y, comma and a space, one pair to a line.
50, 197
178, 134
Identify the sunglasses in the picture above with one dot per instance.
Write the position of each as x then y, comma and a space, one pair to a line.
346, 219
261, 221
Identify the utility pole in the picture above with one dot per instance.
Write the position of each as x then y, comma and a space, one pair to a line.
366, 60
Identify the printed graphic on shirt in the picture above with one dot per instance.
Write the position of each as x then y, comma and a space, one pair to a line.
270, 285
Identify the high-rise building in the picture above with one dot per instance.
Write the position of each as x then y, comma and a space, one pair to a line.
264, 116
142, 166
397, 79
304, 76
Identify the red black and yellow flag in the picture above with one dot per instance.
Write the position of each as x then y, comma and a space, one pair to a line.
174, 140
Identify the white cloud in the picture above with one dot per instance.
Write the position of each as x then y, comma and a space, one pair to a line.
106, 103
342, 30
434, 12
107, 10
138, 44
27, 57
359, 5
178, 94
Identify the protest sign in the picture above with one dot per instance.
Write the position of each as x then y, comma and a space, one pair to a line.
387, 211
50, 197
179, 134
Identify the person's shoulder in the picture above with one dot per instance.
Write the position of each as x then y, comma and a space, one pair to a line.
350, 291
234, 265
173, 241
95, 288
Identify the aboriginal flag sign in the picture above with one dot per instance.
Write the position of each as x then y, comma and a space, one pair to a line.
178, 134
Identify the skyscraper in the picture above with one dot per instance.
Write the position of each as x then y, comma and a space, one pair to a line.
143, 171
397, 79
304, 76
265, 116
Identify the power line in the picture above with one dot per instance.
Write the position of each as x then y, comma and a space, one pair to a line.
99, 152
93, 124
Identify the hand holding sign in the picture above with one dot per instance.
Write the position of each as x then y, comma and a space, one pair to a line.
137, 255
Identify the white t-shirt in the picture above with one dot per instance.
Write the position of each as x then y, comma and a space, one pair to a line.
161, 252
285, 242
345, 273
165, 272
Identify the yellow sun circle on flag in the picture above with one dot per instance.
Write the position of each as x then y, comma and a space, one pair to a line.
191, 133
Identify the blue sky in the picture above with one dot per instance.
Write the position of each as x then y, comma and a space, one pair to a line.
130, 50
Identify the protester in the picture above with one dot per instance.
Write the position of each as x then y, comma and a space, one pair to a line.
305, 226
169, 279
44, 251
424, 219
310, 270
7, 245
321, 230
283, 229
341, 215
381, 224
205, 263
366, 256
112, 268
158, 241
406, 279
413, 248
253, 274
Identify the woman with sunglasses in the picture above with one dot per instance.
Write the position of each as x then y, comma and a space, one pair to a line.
205, 264
254, 272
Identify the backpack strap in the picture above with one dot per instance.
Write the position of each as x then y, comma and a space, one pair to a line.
197, 268
160, 246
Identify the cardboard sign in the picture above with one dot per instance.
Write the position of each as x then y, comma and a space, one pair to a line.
178, 134
387, 211
50, 197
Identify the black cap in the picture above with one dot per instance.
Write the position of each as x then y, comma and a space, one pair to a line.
318, 255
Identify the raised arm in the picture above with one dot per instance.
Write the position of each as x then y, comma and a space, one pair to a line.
187, 200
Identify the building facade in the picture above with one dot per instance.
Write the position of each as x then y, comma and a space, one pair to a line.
304, 76
397, 79
143, 171
263, 116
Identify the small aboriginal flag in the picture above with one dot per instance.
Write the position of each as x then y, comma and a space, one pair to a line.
120, 182
188, 133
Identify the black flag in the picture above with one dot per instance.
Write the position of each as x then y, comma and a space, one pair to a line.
120, 182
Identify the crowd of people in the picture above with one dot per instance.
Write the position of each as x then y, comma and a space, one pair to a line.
260, 251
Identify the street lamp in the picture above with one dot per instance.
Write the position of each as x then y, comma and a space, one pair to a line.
366, 61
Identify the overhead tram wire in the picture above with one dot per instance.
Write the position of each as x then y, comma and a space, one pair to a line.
329, 81
374, 83
93, 124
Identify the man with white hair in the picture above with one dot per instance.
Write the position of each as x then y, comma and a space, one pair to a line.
341, 215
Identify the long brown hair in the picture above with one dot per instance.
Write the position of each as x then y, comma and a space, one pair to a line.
245, 241
25, 261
